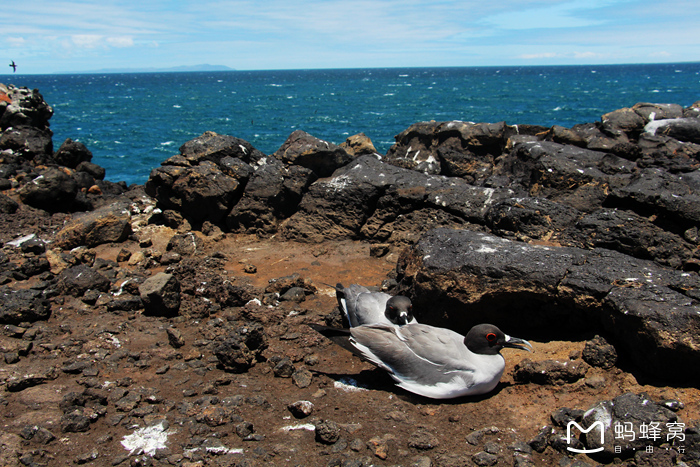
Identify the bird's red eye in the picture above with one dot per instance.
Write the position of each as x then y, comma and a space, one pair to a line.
491, 337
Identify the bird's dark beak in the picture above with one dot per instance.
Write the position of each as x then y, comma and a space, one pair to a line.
403, 318
517, 343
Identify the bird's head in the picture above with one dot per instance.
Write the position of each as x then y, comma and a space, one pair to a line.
487, 339
399, 310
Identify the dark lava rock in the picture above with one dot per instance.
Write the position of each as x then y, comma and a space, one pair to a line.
7, 205
632, 422
75, 421
294, 294
175, 337
94, 170
76, 280
206, 179
185, 244
541, 440
161, 294
673, 198
536, 218
33, 245
383, 203
484, 458
26, 107
242, 348
109, 224
650, 311
599, 353
53, 190
632, 234
302, 378
681, 129
319, 156
20, 383
125, 302
284, 368
23, 305
423, 440
29, 142
301, 409
327, 432
35, 266
201, 193
564, 173
72, 153
455, 148
271, 195
561, 417
477, 436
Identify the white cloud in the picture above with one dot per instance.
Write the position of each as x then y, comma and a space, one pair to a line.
86, 41
537, 56
16, 41
586, 55
124, 41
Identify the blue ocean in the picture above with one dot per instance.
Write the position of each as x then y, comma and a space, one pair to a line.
132, 122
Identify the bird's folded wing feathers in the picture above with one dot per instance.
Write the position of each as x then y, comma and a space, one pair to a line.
416, 353
371, 306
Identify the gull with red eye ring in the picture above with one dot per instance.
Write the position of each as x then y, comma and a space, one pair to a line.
362, 306
430, 361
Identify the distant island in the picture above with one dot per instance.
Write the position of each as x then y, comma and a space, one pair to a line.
175, 69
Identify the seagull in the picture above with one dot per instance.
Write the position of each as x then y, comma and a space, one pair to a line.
362, 306
14, 66
429, 361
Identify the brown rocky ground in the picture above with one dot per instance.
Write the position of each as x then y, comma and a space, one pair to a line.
130, 377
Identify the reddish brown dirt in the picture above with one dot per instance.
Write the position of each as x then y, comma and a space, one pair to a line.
376, 423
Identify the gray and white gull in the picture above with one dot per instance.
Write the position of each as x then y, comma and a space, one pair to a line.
362, 306
430, 361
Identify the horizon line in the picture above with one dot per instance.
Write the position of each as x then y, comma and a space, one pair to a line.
226, 69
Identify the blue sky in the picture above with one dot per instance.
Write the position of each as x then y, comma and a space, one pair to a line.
51, 36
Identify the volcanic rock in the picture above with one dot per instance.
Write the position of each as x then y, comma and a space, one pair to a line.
72, 153
22, 306
241, 349
469, 277
52, 190
319, 156
271, 195
371, 199
109, 224
78, 279
29, 142
627, 416
26, 108
161, 294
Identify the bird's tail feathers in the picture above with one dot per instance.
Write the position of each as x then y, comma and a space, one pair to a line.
340, 337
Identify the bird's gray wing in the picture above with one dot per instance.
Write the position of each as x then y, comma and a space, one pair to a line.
347, 299
415, 352
370, 308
